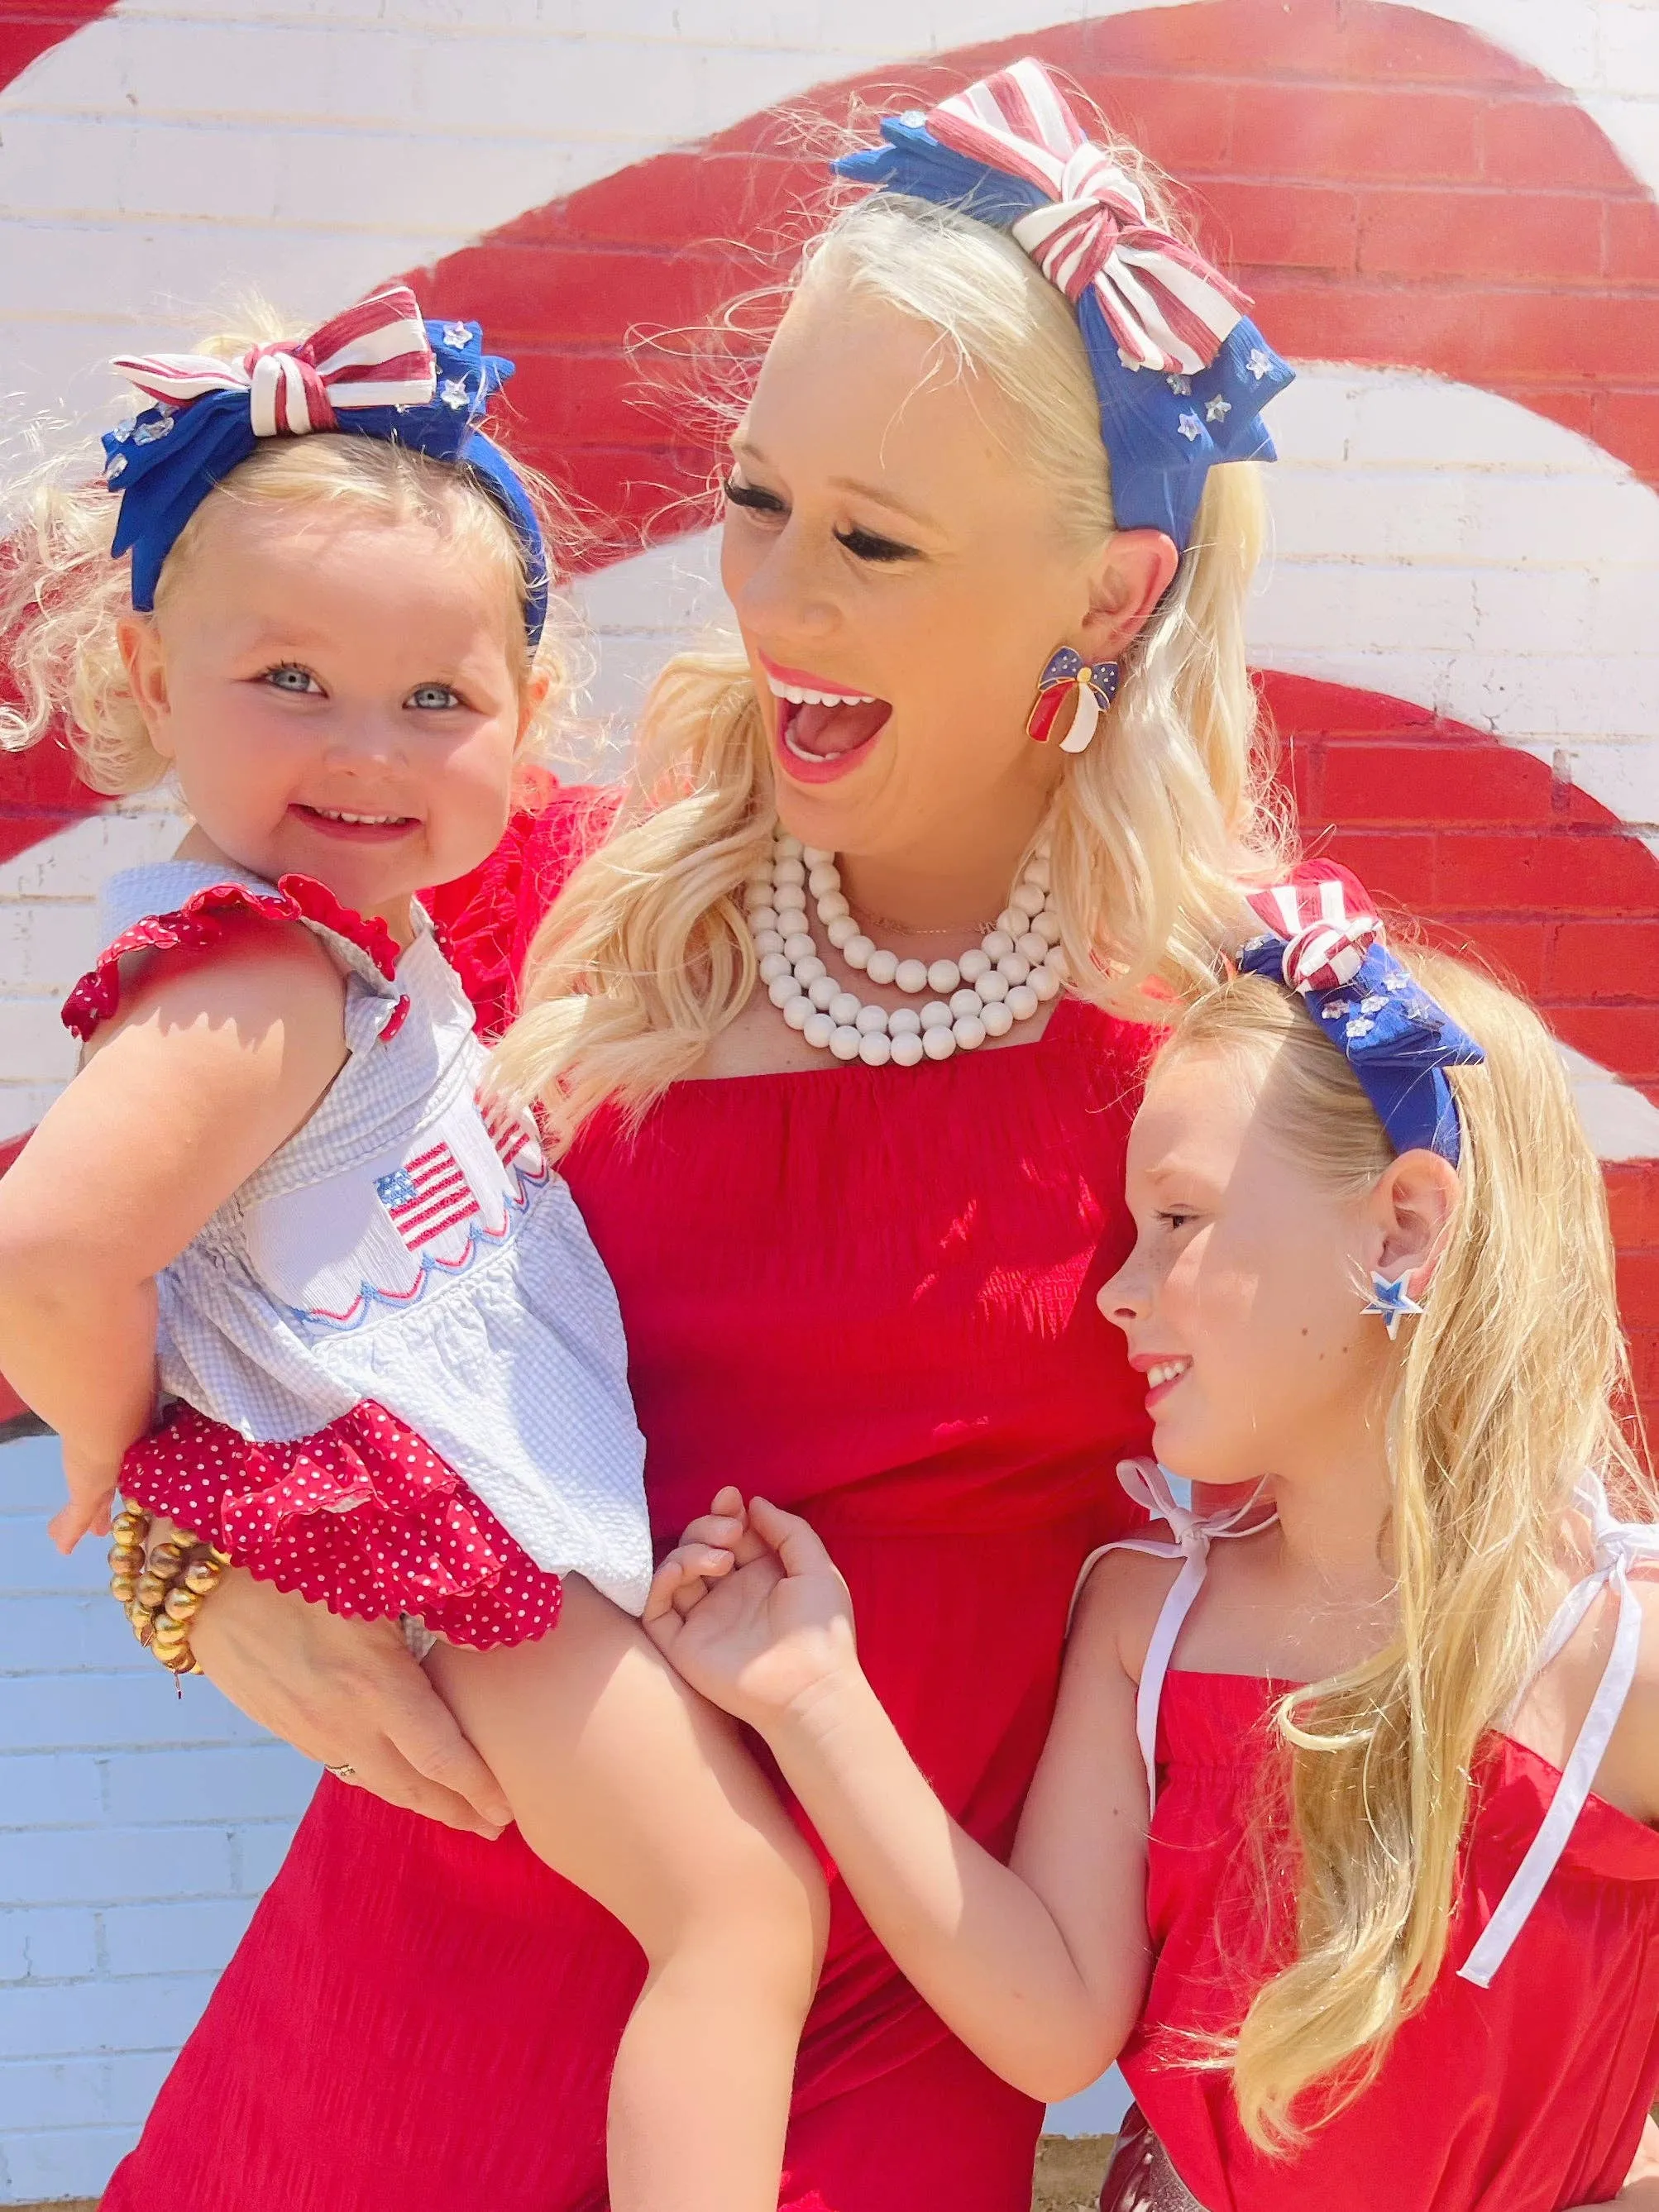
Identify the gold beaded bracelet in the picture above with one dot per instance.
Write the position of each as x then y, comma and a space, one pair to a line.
162, 1587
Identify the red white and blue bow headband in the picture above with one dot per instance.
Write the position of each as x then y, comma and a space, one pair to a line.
376, 371
1181, 375
1324, 943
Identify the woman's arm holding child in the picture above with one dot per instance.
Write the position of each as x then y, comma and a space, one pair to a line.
218, 1056
1039, 1967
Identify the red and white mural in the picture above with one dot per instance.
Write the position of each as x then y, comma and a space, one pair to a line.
1445, 213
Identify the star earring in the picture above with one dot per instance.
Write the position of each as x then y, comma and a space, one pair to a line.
1093, 684
1391, 1302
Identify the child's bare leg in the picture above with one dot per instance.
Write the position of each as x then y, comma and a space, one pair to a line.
625, 1781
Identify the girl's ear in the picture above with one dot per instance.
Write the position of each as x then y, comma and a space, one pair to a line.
147, 676
1411, 1212
1133, 570
532, 699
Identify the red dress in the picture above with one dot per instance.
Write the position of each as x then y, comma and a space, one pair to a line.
870, 1295
1527, 2096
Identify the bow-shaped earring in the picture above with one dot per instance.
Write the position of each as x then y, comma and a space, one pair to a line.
1093, 683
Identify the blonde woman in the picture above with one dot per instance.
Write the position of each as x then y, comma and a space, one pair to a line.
855, 1179
1393, 1938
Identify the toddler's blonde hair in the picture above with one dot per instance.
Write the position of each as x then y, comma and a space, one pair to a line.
62, 595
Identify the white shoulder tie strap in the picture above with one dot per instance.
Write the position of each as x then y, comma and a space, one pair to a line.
1619, 1545
1191, 1532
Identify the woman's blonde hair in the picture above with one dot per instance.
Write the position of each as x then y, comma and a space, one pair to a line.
1507, 1390
644, 958
62, 595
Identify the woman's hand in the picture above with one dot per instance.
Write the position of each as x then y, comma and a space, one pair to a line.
750, 1608
346, 1693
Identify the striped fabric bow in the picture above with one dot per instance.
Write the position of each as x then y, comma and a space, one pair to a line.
376, 371
1181, 373
374, 354
1166, 305
1324, 941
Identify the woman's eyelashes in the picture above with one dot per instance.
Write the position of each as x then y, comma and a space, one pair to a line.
863, 544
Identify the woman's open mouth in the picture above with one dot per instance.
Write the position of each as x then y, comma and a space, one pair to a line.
823, 729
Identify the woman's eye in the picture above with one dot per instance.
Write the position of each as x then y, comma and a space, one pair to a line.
865, 545
1175, 1218
752, 497
433, 696
287, 678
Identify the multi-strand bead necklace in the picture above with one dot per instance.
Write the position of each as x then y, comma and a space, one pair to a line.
1017, 966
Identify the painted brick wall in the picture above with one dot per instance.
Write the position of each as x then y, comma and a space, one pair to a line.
1447, 216
137, 1829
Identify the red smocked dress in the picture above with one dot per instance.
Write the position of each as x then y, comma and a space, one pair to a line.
1524, 2082
869, 1294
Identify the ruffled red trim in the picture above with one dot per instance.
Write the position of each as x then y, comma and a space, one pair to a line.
203, 919
363, 1518
485, 920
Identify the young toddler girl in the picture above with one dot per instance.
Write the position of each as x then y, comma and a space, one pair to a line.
389, 1362
1391, 1936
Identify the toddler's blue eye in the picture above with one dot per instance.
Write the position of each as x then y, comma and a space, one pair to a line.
434, 695
289, 678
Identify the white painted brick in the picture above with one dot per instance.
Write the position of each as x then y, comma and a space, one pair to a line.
31, 1483
22, 1104
1403, 607
1400, 416
64, 1634
188, 1935
113, 1711
240, 68
1314, 421
31, 1036
1578, 519
1629, 49
134, 2078
49, 1789
72, 2162
1623, 776
65, 2018
262, 1782
1534, 611
67, 1866
51, 944
1624, 612
57, 1946
55, 2092
258, 1850
75, 863
30, 1561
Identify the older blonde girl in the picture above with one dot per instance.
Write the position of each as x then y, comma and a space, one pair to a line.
1399, 1938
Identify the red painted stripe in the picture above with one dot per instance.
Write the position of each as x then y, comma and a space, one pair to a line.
29, 28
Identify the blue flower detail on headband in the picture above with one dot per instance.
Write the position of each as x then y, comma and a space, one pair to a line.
1181, 374
376, 371
1397, 1040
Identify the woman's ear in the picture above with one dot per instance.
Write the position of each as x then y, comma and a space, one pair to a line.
1133, 570
140, 644
1411, 1212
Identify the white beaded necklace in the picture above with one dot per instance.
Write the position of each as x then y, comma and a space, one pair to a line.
1017, 966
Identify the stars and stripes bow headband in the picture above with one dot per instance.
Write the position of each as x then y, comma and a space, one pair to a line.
1323, 942
377, 371
1182, 375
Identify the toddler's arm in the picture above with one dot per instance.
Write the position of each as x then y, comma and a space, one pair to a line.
218, 1056
1039, 1966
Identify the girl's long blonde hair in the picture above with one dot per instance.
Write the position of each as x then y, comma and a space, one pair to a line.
644, 958
62, 595
1508, 1389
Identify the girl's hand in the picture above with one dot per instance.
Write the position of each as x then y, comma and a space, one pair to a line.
750, 1609
91, 1482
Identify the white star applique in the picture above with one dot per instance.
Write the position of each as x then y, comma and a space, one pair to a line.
1359, 1027
1390, 1303
1190, 427
1180, 386
1218, 410
457, 334
1260, 364
454, 393
1373, 1005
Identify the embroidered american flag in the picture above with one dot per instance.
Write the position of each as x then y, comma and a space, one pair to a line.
426, 1196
